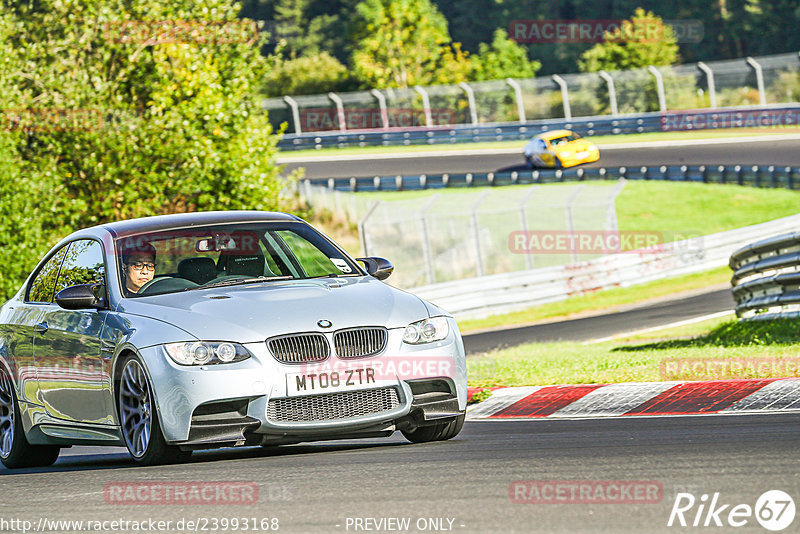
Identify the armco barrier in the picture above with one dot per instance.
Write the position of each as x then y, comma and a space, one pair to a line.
733, 117
752, 175
510, 292
766, 278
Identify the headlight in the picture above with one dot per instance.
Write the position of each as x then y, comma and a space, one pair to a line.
426, 331
205, 352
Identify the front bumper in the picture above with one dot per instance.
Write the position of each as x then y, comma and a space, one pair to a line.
250, 402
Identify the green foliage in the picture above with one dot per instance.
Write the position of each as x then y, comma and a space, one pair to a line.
480, 396
503, 58
306, 75
306, 33
25, 198
633, 45
786, 88
734, 334
169, 127
402, 43
121, 118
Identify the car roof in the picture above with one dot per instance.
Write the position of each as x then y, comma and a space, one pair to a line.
184, 220
554, 134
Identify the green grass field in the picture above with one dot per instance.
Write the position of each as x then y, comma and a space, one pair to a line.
714, 350
599, 139
676, 210
680, 207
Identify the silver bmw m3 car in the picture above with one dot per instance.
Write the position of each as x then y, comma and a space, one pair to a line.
221, 329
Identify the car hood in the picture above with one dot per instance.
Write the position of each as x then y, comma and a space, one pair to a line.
254, 312
574, 146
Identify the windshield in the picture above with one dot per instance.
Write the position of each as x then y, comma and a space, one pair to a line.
183, 259
564, 139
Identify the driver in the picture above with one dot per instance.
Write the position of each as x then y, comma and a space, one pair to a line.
138, 267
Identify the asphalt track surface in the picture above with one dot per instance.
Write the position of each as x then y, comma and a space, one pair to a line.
748, 152
604, 324
314, 488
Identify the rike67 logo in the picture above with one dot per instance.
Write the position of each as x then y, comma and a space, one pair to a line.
774, 510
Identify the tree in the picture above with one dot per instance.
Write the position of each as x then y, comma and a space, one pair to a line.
641, 41
503, 58
402, 43
150, 109
26, 196
306, 75
304, 33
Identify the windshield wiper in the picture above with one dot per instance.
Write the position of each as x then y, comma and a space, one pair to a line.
223, 283
331, 275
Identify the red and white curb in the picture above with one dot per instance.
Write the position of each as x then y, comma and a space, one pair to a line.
639, 399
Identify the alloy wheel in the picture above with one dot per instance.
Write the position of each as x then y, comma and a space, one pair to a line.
6, 414
135, 408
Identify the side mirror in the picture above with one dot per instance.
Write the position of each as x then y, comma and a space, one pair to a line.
82, 296
380, 268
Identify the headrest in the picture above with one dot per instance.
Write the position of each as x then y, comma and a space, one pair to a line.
198, 270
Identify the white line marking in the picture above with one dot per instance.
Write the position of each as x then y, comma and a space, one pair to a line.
499, 151
660, 327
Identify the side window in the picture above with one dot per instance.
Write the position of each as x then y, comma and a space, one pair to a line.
41, 289
312, 259
83, 264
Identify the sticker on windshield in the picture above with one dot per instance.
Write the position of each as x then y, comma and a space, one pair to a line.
342, 265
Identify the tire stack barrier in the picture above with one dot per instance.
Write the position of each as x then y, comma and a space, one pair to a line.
766, 278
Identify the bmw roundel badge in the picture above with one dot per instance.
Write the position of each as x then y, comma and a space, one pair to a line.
324, 323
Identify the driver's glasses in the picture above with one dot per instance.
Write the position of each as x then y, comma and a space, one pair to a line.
140, 265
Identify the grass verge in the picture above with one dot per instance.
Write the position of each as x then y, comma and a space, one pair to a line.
717, 350
599, 139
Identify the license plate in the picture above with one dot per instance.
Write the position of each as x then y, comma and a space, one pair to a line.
329, 381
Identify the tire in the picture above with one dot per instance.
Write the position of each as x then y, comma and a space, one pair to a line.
557, 162
437, 432
139, 424
15, 451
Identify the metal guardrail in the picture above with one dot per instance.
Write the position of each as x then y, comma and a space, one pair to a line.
768, 176
511, 131
508, 292
766, 278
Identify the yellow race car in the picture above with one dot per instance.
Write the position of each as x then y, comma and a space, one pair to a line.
559, 149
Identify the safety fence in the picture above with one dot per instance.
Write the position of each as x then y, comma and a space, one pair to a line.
770, 176
508, 292
448, 237
739, 117
637, 100
766, 278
